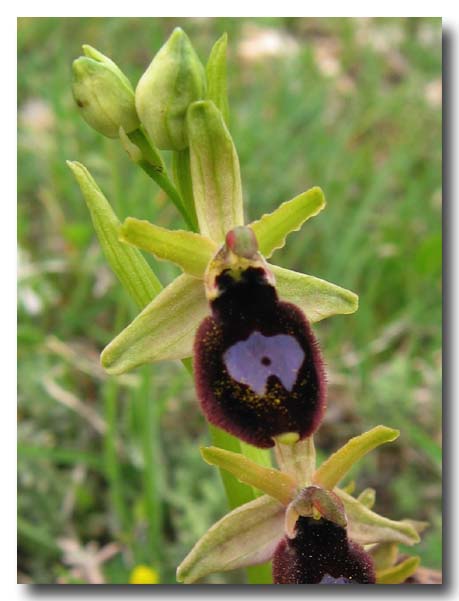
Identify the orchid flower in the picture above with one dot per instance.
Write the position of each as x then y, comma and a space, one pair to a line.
314, 531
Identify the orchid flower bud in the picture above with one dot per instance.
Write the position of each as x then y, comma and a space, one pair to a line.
103, 94
259, 372
321, 553
174, 79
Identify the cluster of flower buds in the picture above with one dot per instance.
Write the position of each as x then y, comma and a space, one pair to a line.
258, 369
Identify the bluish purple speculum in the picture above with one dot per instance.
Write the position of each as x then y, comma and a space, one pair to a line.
254, 360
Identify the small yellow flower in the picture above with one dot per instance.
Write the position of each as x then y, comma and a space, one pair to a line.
143, 574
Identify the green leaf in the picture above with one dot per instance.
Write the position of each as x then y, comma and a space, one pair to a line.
216, 77
276, 484
298, 460
366, 527
215, 172
399, 573
246, 536
337, 465
192, 252
259, 456
127, 263
165, 329
272, 229
318, 299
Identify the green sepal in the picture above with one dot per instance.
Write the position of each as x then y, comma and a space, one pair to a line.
274, 483
174, 79
215, 172
366, 527
367, 497
297, 460
217, 88
273, 228
164, 330
103, 93
191, 252
246, 536
399, 573
318, 298
384, 555
337, 465
127, 263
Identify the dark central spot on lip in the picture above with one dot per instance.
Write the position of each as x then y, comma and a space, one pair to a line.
266, 361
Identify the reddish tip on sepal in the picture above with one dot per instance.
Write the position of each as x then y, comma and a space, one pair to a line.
258, 368
321, 553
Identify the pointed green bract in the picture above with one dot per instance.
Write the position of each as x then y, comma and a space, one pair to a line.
192, 252
164, 330
272, 229
215, 172
217, 89
276, 484
181, 170
132, 270
337, 465
366, 527
399, 573
318, 298
246, 536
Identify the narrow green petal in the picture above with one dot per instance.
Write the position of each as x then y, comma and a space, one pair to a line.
337, 465
246, 536
274, 483
317, 298
132, 270
399, 573
216, 76
272, 229
215, 172
165, 329
367, 497
298, 460
384, 555
366, 527
192, 252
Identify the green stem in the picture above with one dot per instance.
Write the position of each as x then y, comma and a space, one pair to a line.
154, 166
111, 458
182, 176
150, 440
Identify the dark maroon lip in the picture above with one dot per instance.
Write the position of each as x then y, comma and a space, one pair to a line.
258, 368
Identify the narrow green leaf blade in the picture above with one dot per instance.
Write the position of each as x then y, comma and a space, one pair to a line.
246, 536
132, 270
215, 172
276, 484
318, 298
366, 527
337, 465
272, 229
165, 329
217, 88
399, 573
192, 252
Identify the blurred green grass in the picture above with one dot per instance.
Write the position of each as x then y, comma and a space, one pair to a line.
351, 105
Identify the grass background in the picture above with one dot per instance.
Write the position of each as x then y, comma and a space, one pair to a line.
110, 466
